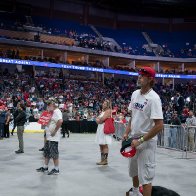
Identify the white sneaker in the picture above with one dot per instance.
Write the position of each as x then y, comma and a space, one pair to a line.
135, 193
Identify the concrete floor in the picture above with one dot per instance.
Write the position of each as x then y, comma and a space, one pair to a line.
78, 173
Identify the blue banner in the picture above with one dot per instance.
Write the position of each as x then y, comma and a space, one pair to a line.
84, 68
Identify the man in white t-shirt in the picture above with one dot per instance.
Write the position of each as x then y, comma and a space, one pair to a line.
145, 123
53, 134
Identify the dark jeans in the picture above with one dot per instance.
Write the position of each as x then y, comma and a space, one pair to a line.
2, 129
14, 126
65, 128
6, 130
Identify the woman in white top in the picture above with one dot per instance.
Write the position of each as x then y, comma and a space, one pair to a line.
101, 138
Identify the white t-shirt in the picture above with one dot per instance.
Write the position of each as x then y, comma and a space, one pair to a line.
144, 109
57, 115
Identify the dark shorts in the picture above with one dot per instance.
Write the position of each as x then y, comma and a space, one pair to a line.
51, 150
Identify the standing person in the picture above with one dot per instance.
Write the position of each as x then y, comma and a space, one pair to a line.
65, 123
52, 139
101, 138
180, 103
191, 121
175, 121
144, 125
20, 121
7, 123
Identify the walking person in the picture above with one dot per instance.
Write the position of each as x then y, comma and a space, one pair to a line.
20, 121
53, 133
101, 138
145, 123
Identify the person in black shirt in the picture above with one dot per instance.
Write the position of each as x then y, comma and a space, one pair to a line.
174, 130
65, 123
20, 121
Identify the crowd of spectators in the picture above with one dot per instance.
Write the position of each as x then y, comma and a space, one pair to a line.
188, 50
86, 95
83, 99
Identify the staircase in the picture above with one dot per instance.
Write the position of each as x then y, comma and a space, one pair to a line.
113, 43
157, 49
29, 20
96, 31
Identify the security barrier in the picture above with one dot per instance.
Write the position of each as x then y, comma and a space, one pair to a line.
119, 130
181, 138
172, 136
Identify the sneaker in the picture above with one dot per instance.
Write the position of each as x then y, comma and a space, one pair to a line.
19, 151
135, 193
42, 149
42, 169
53, 172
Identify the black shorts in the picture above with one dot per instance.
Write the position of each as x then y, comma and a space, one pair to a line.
51, 150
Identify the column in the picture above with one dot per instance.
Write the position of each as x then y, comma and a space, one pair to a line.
157, 66
182, 66
106, 61
132, 64
65, 57
42, 54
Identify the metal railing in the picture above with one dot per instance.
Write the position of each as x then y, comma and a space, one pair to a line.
180, 138
119, 130
177, 137
172, 136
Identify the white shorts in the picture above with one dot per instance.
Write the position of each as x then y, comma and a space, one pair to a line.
143, 163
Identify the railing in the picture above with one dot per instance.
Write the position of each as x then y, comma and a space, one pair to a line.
172, 136
119, 130
177, 137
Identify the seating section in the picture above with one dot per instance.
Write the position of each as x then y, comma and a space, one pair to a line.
57, 27
131, 41
29, 36
178, 44
54, 31
21, 35
56, 40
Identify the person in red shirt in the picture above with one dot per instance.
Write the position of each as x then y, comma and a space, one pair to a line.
185, 111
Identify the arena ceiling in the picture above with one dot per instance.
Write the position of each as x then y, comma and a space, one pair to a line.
173, 8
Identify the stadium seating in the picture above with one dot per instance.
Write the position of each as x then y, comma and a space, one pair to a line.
174, 44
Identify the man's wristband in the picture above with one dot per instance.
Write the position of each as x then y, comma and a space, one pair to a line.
141, 140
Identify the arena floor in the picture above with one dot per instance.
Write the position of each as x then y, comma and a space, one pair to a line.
78, 173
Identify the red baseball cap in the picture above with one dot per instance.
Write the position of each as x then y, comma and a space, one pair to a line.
147, 71
127, 150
